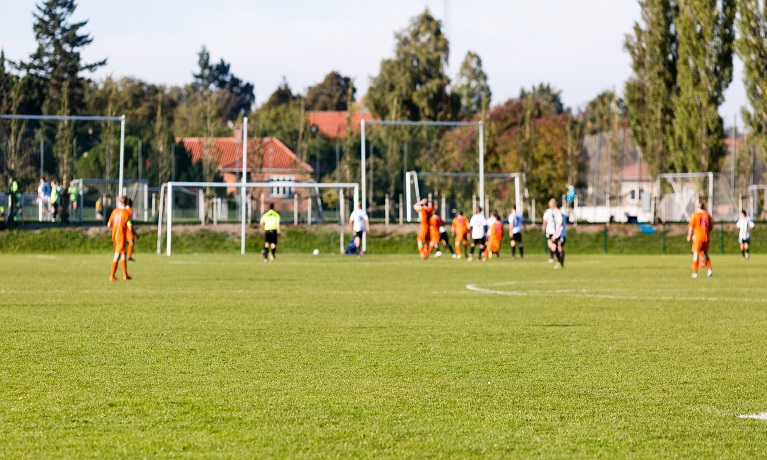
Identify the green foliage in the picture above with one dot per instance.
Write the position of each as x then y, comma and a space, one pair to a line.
413, 85
603, 113
650, 91
472, 88
752, 48
335, 92
704, 73
283, 95
284, 121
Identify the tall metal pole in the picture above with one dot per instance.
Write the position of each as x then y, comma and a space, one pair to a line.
122, 155
734, 150
363, 175
482, 162
244, 181
338, 158
42, 158
139, 160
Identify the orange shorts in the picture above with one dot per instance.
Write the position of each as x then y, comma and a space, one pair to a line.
129, 236
461, 238
494, 245
119, 244
699, 246
422, 234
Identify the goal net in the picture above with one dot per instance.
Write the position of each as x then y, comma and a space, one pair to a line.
297, 202
458, 191
756, 204
679, 193
95, 198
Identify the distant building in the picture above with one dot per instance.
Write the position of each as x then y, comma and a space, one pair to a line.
333, 123
269, 160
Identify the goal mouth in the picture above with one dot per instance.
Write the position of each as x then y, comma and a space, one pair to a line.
287, 191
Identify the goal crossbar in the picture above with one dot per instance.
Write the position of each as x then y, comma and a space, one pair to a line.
166, 204
121, 119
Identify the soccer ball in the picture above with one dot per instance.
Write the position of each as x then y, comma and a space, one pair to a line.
316, 252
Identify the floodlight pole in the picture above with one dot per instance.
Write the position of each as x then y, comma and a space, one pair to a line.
122, 156
482, 162
244, 180
363, 179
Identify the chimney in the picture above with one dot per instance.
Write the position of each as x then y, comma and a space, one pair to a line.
238, 132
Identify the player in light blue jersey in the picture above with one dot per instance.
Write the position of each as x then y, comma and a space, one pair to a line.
516, 226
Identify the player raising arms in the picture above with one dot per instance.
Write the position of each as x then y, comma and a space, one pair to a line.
120, 224
698, 232
745, 224
461, 232
424, 212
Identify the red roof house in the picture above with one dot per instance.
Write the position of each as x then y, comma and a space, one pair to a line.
333, 124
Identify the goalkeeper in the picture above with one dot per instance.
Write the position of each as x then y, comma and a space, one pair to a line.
270, 221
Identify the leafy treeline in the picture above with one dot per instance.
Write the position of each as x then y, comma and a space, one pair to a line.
681, 53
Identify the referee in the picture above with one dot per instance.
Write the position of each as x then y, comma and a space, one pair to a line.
270, 221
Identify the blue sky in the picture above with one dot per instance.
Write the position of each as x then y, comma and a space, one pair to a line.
577, 45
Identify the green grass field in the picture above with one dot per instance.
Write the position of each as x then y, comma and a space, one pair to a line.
329, 356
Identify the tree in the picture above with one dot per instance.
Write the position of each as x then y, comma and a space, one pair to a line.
234, 97
331, 94
57, 62
603, 113
650, 91
752, 48
65, 135
283, 95
704, 71
471, 87
413, 85
57, 69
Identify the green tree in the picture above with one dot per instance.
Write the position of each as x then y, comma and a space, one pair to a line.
603, 113
471, 87
283, 95
331, 94
649, 93
65, 135
704, 71
752, 48
412, 85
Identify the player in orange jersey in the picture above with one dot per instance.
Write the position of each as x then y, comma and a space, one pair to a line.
495, 236
461, 232
424, 211
130, 236
434, 224
698, 232
120, 224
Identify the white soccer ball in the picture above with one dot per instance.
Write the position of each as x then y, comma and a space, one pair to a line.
316, 252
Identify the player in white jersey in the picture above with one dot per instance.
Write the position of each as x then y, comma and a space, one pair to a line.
552, 228
516, 225
359, 223
744, 224
478, 228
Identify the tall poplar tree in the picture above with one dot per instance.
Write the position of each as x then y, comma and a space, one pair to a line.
706, 33
649, 92
752, 48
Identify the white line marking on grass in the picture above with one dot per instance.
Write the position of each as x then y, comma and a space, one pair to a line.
762, 416
596, 295
44, 256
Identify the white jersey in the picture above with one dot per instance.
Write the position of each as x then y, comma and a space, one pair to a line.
515, 222
552, 217
477, 224
745, 224
358, 219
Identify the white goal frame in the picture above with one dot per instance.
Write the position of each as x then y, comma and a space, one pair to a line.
121, 119
363, 168
412, 176
670, 178
166, 204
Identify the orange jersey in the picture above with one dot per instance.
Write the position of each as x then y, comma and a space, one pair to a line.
119, 222
460, 225
435, 222
423, 231
701, 224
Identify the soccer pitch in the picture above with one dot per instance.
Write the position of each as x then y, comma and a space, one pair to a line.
330, 356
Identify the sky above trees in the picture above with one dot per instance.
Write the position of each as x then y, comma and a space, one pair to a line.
576, 46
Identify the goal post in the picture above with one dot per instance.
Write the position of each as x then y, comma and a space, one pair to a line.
168, 190
679, 192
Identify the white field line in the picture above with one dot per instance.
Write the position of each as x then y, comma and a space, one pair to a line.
761, 416
597, 295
